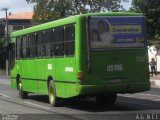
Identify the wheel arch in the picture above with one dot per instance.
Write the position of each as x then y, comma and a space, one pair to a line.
17, 80
48, 80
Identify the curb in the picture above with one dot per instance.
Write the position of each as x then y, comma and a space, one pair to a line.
155, 83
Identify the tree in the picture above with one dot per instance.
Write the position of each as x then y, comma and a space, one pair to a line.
151, 10
2, 53
2, 42
47, 10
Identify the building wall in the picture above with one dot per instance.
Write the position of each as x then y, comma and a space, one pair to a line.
12, 28
14, 25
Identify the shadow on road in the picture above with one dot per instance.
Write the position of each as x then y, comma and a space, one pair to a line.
90, 105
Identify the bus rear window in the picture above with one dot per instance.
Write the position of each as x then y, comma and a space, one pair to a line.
117, 32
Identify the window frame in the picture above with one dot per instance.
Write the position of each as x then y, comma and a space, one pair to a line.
18, 38
34, 45
40, 45
70, 41
50, 41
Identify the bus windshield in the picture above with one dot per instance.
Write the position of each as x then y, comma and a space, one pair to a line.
117, 32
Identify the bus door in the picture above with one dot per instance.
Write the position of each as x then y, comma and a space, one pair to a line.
41, 80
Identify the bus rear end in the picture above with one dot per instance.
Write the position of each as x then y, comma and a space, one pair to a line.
117, 57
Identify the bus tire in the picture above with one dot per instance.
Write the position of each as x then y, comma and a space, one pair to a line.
22, 94
53, 99
108, 99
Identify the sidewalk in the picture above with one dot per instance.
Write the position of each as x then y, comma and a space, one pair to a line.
3, 74
155, 81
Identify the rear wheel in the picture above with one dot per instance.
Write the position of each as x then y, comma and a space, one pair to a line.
22, 94
53, 99
108, 99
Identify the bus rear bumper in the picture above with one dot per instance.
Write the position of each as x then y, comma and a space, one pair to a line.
115, 88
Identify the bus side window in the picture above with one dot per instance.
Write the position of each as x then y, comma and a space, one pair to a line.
69, 40
28, 52
24, 46
27, 47
40, 47
21, 48
58, 45
18, 47
32, 45
49, 43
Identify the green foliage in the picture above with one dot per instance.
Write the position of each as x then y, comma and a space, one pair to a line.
47, 10
2, 53
151, 10
2, 42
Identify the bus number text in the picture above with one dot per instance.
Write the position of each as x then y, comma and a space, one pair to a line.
115, 67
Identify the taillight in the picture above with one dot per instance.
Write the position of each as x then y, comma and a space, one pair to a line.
80, 75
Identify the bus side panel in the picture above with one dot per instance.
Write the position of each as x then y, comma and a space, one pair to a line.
13, 76
19, 67
71, 87
15, 71
29, 76
41, 80
60, 89
42, 86
65, 74
60, 85
24, 76
50, 71
71, 90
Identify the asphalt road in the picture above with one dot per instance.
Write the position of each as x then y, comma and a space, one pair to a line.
139, 106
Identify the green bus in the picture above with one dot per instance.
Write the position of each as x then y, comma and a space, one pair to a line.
95, 54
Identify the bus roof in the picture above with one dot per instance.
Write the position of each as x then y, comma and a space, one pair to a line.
68, 20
